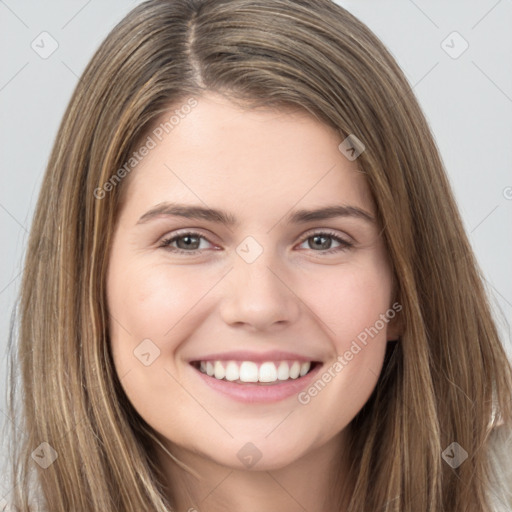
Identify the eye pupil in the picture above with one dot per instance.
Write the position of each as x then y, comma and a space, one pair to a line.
188, 241
322, 245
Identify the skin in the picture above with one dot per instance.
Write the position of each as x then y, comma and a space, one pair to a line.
259, 166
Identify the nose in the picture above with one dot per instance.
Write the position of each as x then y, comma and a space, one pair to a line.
258, 296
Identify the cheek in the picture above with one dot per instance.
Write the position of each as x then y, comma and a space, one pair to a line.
355, 314
151, 303
152, 313
350, 301
151, 300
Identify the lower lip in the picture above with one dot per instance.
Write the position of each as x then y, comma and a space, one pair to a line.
250, 392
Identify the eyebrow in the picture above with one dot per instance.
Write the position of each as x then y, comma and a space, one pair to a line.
226, 218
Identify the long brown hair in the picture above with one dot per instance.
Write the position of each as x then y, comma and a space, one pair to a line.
448, 378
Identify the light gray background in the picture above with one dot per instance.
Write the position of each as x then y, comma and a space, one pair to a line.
467, 100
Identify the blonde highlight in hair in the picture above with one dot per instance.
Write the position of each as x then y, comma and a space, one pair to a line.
447, 379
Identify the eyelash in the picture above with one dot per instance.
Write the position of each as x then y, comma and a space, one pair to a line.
166, 243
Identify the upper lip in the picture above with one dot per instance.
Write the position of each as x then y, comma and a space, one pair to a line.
244, 355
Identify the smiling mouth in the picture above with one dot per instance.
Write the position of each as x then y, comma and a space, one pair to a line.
261, 373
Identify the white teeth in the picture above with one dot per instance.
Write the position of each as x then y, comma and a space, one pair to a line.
249, 371
232, 372
294, 370
220, 372
304, 368
268, 372
283, 371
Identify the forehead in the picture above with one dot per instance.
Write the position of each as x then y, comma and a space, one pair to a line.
247, 159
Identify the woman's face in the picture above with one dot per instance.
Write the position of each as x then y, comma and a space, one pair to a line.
224, 291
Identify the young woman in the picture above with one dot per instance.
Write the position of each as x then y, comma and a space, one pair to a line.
247, 285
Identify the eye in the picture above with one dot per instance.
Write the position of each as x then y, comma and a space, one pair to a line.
187, 242
322, 240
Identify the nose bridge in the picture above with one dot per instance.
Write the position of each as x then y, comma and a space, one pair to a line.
256, 293
253, 272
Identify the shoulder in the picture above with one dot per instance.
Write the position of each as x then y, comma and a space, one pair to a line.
500, 454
